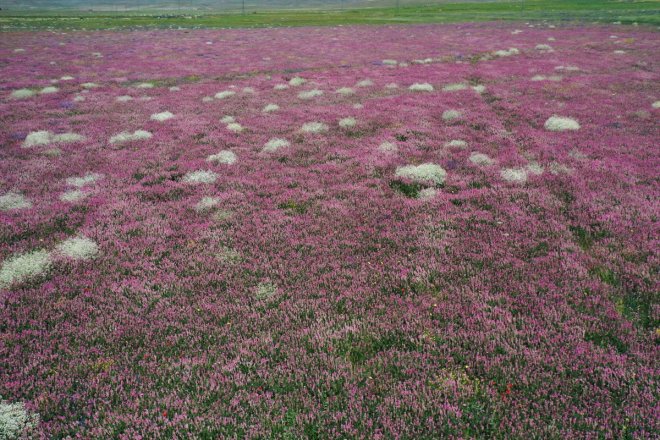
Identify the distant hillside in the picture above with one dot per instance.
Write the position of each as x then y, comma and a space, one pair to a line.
132, 5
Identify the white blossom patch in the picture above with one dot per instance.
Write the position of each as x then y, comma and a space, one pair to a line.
656, 104
22, 93
560, 123
78, 248
514, 175
227, 119
79, 182
297, 81
281, 86
174, 89
543, 48
124, 98
345, 91
347, 122
44, 137
145, 85
365, 83
567, 68
49, 89
421, 87
73, 196
21, 267
427, 193
36, 138
481, 159
13, 200
270, 108
163, 116
224, 157
224, 94
200, 176
450, 115
390, 62
309, 94
534, 168
265, 290
275, 144
314, 127
16, 422
424, 173
235, 127
207, 203
506, 52
124, 136
89, 85
455, 87
456, 143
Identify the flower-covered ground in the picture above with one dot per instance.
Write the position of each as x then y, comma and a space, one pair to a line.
436, 231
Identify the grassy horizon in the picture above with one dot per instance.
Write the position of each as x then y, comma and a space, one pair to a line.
592, 11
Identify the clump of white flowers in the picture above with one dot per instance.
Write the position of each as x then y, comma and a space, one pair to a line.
207, 203
84, 180
235, 127
44, 137
13, 200
314, 127
480, 159
347, 122
124, 136
456, 143
269, 108
421, 87
543, 48
275, 144
428, 173
16, 421
265, 290
506, 52
297, 81
454, 87
22, 93
24, 266
200, 176
450, 115
224, 157
224, 94
345, 91
163, 116
49, 89
514, 175
365, 83
560, 123
309, 94
78, 248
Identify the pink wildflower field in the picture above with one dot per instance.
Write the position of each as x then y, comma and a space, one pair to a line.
397, 232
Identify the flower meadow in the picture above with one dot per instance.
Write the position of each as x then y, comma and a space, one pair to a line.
396, 232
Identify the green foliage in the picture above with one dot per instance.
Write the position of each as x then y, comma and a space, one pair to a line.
643, 12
